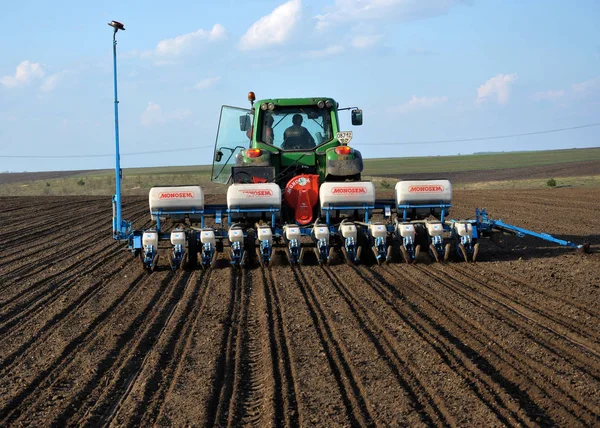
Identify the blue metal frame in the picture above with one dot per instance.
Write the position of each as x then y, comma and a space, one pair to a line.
121, 229
328, 209
405, 207
484, 223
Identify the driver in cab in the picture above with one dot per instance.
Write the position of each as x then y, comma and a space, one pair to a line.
297, 136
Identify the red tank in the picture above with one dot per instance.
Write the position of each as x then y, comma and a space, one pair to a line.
302, 194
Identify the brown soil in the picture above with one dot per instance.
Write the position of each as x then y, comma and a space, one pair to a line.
544, 172
19, 177
88, 338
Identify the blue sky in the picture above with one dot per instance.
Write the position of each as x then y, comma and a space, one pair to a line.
421, 70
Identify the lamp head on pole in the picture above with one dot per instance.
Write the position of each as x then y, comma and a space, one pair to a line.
117, 25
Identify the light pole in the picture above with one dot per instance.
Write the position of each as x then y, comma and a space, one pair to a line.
119, 228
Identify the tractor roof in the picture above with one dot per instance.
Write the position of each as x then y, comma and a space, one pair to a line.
296, 101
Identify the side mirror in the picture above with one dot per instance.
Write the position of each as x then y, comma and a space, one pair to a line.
357, 117
218, 156
245, 123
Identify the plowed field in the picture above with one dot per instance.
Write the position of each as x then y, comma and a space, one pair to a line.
88, 338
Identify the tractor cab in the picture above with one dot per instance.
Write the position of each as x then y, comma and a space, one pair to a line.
277, 139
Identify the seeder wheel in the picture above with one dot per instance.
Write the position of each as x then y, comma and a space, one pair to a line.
417, 252
475, 251
388, 255
347, 257
184, 261
376, 254
154, 263
447, 250
261, 259
405, 255
434, 254
463, 252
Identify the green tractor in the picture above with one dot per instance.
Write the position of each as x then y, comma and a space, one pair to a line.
293, 142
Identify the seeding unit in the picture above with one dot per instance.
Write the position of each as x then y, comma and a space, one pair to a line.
294, 183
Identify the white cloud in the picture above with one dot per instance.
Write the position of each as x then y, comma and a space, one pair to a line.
25, 73
207, 83
186, 42
418, 103
577, 91
421, 52
50, 83
497, 87
587, 88
324, 53
365, 41
401, 10
274, 28
154, 115
549, 95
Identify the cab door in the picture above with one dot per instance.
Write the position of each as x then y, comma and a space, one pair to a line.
234, 135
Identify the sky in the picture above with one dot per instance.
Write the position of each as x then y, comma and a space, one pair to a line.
425, 73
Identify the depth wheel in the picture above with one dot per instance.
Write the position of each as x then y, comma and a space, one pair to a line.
463, 252
376, 254
417, 252
331, 254
184, 261
447, 251
388, 255
475, 251
346, 256
433, 253
405, 255
154, 263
